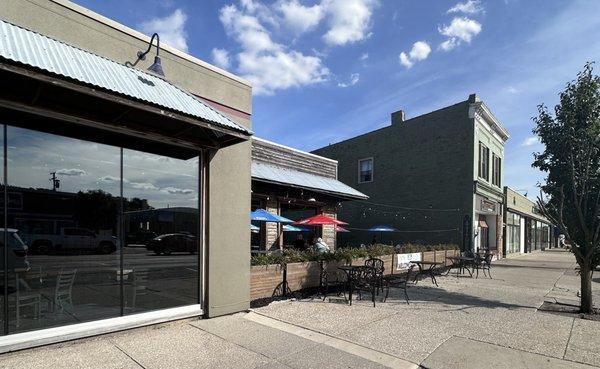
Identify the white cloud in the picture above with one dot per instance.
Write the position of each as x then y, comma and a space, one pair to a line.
364, 56
246, 29
530, 141
268, 65
170, 29
300, 18
109, 179
468, 7
348, 20
177, 191
354, 78
260, 11
221, 58
461, 29
146, 186
420, 51
281, 70
71, 172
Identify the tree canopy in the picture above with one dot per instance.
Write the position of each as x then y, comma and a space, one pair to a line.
571, 159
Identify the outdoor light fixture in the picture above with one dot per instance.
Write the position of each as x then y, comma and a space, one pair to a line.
312, 199
156, 67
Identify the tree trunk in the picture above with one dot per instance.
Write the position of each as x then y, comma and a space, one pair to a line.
586, 289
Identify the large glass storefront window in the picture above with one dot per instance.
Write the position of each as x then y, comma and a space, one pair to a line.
513, 233
160, 258
71, 206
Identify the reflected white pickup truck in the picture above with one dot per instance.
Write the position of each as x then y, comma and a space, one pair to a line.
71, 238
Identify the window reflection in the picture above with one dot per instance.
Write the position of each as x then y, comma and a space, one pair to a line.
69, 210
63, 202
161, 229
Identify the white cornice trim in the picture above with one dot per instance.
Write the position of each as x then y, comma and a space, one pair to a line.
480, 112
140, 36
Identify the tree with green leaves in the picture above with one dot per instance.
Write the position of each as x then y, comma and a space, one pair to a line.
570, 196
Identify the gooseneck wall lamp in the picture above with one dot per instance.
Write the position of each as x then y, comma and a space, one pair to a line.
156, 67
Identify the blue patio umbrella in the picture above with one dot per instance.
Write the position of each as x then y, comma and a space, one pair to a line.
261, 215
381, 229
291, 228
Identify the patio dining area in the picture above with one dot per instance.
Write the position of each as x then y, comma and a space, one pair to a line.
371, 280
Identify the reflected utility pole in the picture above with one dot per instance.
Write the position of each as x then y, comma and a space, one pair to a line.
55, 181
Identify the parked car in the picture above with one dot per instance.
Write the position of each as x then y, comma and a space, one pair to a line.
70, 239
140, 237
17, 250
173, 242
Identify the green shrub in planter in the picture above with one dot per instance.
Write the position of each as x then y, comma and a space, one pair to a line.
346, 254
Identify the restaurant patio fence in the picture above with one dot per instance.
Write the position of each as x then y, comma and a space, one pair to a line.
266, 280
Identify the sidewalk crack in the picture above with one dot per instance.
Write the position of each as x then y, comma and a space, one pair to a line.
129, 356
569, 339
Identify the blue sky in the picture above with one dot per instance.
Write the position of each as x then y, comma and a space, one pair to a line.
326, 70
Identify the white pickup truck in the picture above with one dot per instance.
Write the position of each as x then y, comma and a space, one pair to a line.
71, 239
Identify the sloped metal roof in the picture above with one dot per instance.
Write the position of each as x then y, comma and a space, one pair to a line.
33, 49
275, 174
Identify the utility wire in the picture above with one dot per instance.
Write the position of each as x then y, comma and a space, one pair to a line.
402, 207
415, 231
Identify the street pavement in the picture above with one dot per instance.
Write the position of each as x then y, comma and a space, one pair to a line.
464, 323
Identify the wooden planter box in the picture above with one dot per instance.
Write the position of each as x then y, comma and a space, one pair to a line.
264, 279
428, 256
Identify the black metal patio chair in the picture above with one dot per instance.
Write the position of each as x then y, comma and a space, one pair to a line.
483, 262
399, 281
367, 280
334, 280
379, 267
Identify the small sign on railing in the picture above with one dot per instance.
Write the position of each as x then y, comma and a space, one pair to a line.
403, 260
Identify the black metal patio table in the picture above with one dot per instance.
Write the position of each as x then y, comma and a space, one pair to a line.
426, 268
461, 263
351, 273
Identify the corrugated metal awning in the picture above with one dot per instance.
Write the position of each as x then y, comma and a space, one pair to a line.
26, 47
278, 175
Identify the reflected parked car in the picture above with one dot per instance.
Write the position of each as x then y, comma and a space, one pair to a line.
140, 237
173, 242
72, 239
17, 250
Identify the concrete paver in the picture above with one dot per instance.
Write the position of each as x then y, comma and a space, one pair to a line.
98, 352
457, 353
255, 337
584, 343
322, 356
184, 346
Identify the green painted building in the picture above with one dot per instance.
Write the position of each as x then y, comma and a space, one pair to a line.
436, 178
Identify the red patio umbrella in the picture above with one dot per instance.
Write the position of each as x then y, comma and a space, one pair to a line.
321, 219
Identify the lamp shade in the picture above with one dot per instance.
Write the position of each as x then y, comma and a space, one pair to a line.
156, 67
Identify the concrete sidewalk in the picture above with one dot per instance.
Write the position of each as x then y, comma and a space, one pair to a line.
495, 316
227, 342
464, 323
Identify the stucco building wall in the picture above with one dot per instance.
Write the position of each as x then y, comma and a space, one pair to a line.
227, 262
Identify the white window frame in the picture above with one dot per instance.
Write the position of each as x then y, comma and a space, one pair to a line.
372, 169
480, 173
